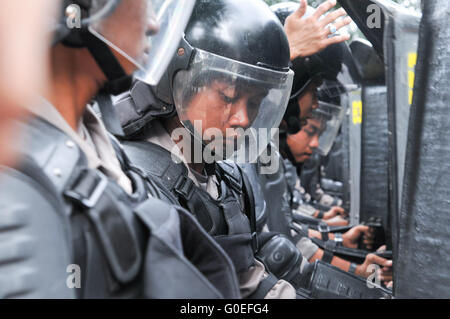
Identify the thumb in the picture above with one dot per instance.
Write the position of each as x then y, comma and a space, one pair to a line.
372, 258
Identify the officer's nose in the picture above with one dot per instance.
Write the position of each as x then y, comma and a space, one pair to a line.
239, 115
314, 144
152, 27
315, 103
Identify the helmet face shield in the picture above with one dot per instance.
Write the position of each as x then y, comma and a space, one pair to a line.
233, 108
146, 32
331, 92
330, 117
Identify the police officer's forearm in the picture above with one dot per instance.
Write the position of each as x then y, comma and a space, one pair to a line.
318, 214
316, 234
336, 261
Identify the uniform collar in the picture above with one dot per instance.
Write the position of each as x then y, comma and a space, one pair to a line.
99, 152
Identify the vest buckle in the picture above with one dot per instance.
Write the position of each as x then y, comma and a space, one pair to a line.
87, 188
184, 187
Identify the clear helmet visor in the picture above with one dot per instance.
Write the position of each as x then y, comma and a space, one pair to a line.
232, 108
146, 32
318, 134
329, 118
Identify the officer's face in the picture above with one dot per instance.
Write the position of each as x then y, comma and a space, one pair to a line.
308, 102
224, 106
131, 25
305, 142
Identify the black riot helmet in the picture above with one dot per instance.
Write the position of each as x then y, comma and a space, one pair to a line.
324, 65
243, 46
100, 26
234, 29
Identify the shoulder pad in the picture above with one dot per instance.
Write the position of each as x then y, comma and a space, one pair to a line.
49, 152
156, 161
138, 107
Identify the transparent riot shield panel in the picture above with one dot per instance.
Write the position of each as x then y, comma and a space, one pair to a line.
345, 131
355, 118
347, 77
422, 267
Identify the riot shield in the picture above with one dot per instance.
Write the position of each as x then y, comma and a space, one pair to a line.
373, 147
345, 131
422, 269
374, 134
398, 32
369, 18
354, 118
374, 155
400, 45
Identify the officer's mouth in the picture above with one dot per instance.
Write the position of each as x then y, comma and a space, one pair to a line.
306, 156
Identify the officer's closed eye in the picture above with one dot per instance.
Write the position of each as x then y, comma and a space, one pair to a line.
311, 130
227, 98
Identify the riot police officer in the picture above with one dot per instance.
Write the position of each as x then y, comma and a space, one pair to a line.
210, 94
74, 204
224, 81
333, 216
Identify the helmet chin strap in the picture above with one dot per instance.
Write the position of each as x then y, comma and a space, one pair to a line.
299, 167
210, 168
118, 80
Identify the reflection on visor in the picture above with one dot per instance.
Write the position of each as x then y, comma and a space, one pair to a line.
330, 118
145, 32
331, 92
242, 102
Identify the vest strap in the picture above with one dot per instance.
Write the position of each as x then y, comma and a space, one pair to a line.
113, 226
264, 287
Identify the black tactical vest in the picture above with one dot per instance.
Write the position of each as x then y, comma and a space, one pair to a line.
229, 218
